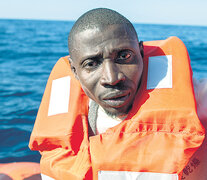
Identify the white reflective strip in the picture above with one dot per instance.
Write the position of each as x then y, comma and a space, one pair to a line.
59, 98
127, 175
159, 72
45, 177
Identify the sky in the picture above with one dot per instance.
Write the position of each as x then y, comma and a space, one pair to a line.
185, 12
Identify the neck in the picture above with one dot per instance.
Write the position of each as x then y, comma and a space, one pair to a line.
120, 116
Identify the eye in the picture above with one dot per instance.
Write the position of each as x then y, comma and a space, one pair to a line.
124, 55
89, 64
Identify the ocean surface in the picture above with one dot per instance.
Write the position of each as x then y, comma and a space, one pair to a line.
28, 51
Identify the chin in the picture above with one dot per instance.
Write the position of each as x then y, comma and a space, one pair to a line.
117, 112
113, 114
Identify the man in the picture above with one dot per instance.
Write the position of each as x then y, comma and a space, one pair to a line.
111, 84
135, 128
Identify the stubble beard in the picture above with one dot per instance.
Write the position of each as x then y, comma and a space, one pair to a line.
121, 114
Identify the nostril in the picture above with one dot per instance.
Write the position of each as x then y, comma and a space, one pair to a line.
111, 74
121, 76
109, 81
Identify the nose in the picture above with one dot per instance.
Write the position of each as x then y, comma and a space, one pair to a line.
111, 74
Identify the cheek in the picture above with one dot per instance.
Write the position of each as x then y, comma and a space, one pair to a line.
134, 70
134, 74
139, 74
88, 83
139, 71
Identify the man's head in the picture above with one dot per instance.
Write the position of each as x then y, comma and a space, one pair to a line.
105, 56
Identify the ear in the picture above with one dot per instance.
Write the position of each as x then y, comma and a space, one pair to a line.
141, 48
73, 69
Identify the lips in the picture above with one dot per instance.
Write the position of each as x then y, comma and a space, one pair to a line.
116, 99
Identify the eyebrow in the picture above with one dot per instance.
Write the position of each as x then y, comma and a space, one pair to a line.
100, 53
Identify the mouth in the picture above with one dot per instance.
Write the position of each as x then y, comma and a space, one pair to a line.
116, 99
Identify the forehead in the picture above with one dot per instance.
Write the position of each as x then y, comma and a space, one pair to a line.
96, 39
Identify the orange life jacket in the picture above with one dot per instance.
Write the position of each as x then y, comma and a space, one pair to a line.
160, 134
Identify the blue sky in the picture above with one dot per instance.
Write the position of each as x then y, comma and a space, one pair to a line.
190, 12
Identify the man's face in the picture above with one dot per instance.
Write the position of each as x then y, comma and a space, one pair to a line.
109, 66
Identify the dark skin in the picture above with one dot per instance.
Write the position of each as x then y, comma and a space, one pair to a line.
109, 65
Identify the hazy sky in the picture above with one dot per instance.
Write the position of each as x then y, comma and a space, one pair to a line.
193, 12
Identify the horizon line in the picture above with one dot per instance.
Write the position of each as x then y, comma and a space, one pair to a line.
67, 20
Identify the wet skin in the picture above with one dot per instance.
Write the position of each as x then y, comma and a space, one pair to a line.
109, 65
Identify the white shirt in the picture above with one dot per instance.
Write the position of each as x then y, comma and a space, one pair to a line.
104, 121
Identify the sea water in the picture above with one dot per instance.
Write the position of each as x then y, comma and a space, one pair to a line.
28, 51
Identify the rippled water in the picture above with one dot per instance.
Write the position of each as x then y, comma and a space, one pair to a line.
29, 50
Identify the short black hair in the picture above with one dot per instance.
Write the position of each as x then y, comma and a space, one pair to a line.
100, 17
